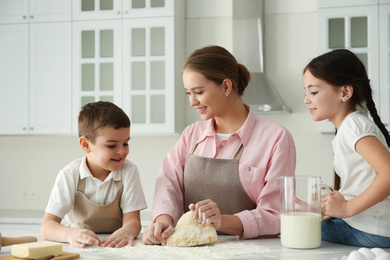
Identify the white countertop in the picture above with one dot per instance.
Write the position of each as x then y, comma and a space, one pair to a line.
227, 247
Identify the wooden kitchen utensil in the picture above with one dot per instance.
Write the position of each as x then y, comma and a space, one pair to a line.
8, 241
63, 256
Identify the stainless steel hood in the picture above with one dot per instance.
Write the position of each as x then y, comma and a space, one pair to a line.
262, 97
260, 94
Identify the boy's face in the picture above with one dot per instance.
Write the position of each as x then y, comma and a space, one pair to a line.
109, 151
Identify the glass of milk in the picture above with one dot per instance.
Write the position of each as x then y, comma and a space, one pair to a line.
300, 208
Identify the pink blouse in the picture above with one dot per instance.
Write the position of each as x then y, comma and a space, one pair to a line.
269, 152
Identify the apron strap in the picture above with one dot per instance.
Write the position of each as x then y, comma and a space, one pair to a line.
193, 148
81, 185
237, 156
118, 185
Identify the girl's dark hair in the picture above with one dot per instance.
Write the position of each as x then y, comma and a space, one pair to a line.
342, 67
218, 64
95, 116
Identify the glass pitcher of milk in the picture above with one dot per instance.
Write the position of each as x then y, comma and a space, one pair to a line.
300, 208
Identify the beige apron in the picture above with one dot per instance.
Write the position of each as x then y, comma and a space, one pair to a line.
98, 218
215, 179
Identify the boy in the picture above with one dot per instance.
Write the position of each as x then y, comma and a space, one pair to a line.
101, 192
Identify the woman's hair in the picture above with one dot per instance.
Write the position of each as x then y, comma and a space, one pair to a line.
340, 68
95, 116
218, 64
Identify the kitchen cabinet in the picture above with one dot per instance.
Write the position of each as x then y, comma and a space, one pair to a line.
117, 9
131, 61
384, 63
34, 11
97, 63
35, 69
361, 28
59, 55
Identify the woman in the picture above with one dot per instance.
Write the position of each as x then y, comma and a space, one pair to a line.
336, 84
225, 167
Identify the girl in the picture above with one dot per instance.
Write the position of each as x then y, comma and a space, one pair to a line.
336, 83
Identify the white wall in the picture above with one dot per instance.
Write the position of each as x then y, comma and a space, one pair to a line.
29, 164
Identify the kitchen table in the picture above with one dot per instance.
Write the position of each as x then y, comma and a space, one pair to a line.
227, 247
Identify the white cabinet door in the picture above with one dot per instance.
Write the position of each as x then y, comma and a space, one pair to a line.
97, 63
24, 11
50, 78
35, 89
50, 11
14, 79
149, 74
13, 11
344, 3
354, 28
117, 9
148, 8
96, 9
384, 58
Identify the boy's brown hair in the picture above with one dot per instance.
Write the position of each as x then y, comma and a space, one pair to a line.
95, 116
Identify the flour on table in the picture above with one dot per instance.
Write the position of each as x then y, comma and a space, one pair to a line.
189, 232
233, 249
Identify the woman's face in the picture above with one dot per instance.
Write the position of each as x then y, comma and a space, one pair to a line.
322, 99
206, 96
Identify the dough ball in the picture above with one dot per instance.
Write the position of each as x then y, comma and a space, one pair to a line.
189, 232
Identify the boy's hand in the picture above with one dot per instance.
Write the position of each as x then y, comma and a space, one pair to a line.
82, 237
119, 238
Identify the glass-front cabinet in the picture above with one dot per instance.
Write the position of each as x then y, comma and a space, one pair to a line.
356, 26
116, 9
148, 94
58, 55
130, 60
97, 60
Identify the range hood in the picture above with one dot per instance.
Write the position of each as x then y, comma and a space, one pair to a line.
260, 94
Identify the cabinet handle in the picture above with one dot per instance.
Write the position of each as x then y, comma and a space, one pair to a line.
31, 128
24, 128
118, 12
125, 12
24, 16
32, 16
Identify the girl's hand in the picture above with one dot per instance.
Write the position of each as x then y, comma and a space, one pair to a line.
335, 205
119, 238
157, 233
207, 212
82, 237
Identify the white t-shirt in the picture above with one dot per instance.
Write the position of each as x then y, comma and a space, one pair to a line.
356, 174
61, 199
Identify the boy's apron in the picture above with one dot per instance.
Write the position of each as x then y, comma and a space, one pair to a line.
215, 179
98, 218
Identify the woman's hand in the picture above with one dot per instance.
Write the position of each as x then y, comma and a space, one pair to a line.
306, 207
207, 212
82, 237
335, 205
157, 233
